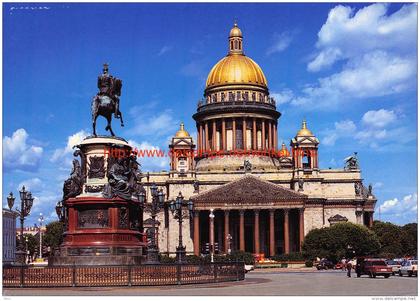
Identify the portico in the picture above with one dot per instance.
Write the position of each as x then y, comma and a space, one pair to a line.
260, 216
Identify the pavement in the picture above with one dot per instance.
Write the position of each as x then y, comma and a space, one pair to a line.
267, 282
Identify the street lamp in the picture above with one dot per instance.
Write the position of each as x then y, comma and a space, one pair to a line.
26, 202
27, 251
40, 220
177, 212
158, 199
211, 216
229, 240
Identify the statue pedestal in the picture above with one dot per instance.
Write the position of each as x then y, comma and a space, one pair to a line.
101, 229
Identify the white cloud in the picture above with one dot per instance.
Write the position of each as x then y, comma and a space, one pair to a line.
63, 154
379, 118
156, 125
378, 185
18, 155
378, 54
347, 32
34, 185
164, 50
285, 96
397, 207
344, 128
151, 157
281, 42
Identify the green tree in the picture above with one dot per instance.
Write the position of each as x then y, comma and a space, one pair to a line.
340, 240
32, 243
409, 242
391, 238
53, 236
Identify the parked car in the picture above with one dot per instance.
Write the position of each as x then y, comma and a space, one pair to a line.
339, 266
395, 266
324, 264
372, 267
409, 268
249, 268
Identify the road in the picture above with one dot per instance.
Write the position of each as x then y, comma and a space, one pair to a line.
269, 283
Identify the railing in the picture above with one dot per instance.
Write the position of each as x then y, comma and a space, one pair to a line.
141, 275
203, 106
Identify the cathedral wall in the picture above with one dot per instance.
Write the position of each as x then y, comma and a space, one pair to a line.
313, 218
349, 213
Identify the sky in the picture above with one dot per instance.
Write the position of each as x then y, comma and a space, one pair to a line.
349, 69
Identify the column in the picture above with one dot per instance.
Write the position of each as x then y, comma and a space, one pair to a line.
370, 219
224, 135
254, 134
275, 137
213, 135
286, 231
263, 135
270, 146
227, 232
244, 132
197, 233
272, 233
200, 140
233, 133
301, 227
241, 230
256, 231
206, 137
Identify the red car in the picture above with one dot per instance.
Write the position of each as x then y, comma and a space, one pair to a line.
372, 267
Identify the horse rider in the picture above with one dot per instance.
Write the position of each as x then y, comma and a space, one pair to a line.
106, 86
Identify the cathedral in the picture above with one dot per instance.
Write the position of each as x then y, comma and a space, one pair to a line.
248, 192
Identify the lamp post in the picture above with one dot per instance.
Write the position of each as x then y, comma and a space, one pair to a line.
158, 199
40, 220
26, 250
179, 214
26, 202
211, 216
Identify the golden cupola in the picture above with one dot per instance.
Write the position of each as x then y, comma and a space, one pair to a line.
304, 131
182, 133
236, 69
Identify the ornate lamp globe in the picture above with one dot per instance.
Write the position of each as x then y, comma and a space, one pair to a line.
10, 200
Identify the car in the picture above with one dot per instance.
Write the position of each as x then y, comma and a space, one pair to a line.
395, 266
249, 268
325, 264
409, 268
372, 267
339, 266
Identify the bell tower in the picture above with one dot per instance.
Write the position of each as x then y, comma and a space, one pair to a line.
235, 40
182, 152
305, 149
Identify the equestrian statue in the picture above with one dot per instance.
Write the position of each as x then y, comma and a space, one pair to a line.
107, 102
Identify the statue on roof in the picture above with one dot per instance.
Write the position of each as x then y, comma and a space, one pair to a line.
352, 162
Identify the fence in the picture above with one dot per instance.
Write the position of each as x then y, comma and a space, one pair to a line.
142, 275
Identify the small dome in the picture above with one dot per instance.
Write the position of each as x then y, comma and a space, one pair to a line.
182, 133
304, 131
235, 31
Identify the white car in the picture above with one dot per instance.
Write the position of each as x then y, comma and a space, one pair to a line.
409, 268
249, 268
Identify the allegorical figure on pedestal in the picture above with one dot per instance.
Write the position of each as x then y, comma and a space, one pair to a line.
74, 184
107, 102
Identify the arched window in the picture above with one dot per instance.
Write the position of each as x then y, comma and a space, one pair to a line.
231, 45
240, 45
306, 159
236, 44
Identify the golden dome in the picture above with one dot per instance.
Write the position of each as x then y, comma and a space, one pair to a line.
236, 69
182, 133
284, 152
304, 131
235, 31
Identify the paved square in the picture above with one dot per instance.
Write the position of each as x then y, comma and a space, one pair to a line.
260, 283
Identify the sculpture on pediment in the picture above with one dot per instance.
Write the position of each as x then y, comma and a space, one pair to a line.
352, 162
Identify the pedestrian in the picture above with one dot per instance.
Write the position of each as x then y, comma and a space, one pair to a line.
349, 266
343, 264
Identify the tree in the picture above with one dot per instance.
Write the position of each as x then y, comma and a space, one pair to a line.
340, 240
53, 236
391, 238
409, 242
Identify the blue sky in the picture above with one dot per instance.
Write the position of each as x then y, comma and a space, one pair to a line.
349, 69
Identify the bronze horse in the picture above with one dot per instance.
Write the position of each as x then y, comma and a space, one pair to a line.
105, 105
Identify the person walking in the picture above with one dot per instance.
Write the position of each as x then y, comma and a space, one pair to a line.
349, 266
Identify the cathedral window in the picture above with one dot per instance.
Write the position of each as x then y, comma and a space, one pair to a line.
254, 96
223, 96
231, 96
238, 96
